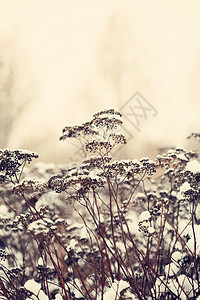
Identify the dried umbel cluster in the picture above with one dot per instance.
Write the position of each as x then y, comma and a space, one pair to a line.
195, 136
12, 163
176, 158
105, 120
93, 162
100, 135
31, 187
75, 187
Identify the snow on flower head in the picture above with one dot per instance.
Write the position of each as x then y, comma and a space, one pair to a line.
193, 166
144, 216
40, 226
151, 230
185, 187
32, 286
58, 297
115, 289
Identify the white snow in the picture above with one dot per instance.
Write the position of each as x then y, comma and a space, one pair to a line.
193, 166
151, 230
84, 232
58, 297
72, 244
4, 211
32, 286
42, 296
182, 157
35, 288
115, 289
176, 256
132, 221
171, 269
40, 261
185, 187
144, 216
120, 246
40, 226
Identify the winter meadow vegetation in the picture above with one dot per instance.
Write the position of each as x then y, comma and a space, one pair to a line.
100, 228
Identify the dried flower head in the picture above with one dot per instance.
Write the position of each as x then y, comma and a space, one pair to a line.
100, 147
100, 134
77, 131
109, 112
92, 162
12, 162
31, 187
72, 185
175, 158
194, 135
41, 227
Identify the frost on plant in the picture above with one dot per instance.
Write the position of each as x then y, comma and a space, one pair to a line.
100, 228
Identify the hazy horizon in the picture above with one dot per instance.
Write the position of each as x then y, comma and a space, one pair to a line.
75, 58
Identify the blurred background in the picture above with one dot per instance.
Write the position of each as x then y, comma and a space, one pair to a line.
61, 61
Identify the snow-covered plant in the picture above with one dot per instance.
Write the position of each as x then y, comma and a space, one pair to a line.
101, 228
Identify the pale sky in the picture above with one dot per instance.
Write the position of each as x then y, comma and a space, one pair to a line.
78, 57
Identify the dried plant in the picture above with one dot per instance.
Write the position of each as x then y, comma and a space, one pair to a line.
100, 229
